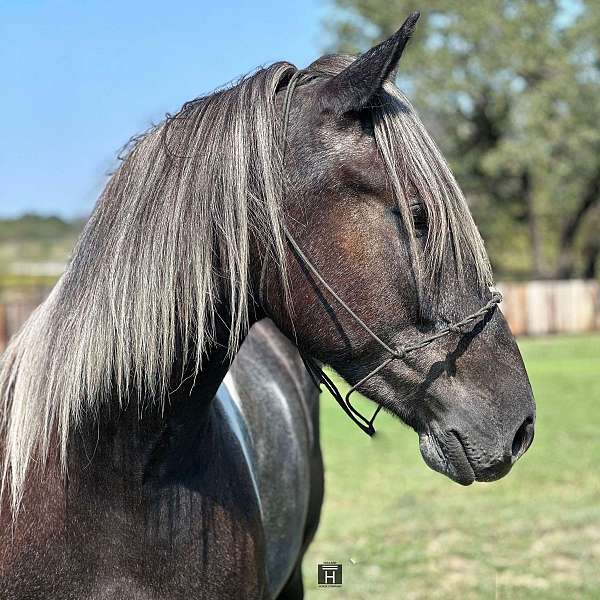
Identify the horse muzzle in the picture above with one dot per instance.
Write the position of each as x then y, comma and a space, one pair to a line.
465, 459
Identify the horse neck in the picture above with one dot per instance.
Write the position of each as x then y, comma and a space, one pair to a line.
122, 452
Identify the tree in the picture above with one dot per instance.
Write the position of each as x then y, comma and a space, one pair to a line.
511, 92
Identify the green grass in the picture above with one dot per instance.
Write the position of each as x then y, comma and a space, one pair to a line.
402, 531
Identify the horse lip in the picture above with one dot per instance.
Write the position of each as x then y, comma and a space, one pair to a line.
464, 459
445, 453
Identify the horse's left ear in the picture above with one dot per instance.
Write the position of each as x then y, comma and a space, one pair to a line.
355, 86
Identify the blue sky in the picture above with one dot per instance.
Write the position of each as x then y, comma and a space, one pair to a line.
80, 77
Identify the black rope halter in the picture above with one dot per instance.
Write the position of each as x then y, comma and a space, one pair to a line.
395, 353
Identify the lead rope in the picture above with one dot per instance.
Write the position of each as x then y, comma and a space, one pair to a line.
317, 374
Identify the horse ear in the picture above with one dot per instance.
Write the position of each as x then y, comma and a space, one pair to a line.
354, 87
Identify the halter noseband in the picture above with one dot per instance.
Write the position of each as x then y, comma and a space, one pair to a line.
396, 353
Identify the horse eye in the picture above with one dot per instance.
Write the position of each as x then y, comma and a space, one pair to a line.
419, 215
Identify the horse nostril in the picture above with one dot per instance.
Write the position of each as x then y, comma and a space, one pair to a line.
523, 438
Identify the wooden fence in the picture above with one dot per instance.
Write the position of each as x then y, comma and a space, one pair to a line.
13, 313
532, 308
545, 307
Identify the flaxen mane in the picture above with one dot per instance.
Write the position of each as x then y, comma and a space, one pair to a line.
169, 241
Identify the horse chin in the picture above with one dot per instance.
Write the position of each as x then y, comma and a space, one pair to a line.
443, 452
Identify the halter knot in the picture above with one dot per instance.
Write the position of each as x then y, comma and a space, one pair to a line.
455, 328
400, 353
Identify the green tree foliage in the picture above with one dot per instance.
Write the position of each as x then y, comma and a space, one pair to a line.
511, 91
35, 228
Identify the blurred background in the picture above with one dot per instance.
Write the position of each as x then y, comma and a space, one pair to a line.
510, 90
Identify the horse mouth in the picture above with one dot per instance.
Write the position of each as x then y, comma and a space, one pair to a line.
443, 451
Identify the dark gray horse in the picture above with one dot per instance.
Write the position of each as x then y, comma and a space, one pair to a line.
313, 197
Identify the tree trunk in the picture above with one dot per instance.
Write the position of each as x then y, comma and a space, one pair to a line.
537, 261
591, 254
569, 233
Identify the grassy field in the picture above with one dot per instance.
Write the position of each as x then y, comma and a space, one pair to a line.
402, 531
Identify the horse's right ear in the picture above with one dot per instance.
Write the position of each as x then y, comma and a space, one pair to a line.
355, 86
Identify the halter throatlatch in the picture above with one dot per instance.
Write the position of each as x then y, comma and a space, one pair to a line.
400, 352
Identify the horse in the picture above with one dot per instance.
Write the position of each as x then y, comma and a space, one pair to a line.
313, 197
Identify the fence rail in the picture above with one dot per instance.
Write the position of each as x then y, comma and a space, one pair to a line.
531, 308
